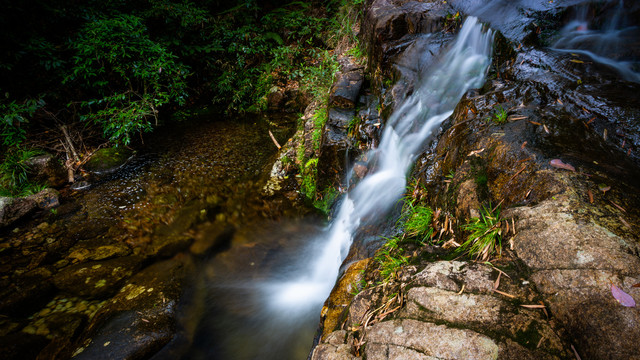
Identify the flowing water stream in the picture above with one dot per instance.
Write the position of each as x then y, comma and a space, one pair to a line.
274, 317
607, 44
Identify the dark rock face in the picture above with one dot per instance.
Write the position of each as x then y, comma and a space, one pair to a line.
345, 91
46, 199
47, 169
336, 140
389, 20
19, 346
12, 209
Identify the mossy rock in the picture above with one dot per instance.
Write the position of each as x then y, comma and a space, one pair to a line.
108, 160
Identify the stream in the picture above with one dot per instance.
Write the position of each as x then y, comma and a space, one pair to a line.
262, 265
279, 313
263, 269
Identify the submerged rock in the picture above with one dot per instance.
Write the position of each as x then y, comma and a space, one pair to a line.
97, 279
108, 160
142, 318
26, 292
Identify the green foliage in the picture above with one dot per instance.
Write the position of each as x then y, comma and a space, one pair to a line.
252, 51
317, 79
14, 172
357, 52
130, 75
309, 178
285, 160
418, 221
485, 238
323, 204
14, 116
390, 258
500, 116
451, 174
357, 287
342, 23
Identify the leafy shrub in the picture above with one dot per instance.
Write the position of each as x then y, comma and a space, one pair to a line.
14, 116
130, 75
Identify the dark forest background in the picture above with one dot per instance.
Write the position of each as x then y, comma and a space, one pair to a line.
76, 75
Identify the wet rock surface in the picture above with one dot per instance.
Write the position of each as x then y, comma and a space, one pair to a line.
108, 160
47, 169
142, 318
572, 230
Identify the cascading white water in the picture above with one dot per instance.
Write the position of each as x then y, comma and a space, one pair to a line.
606, 45
462, 66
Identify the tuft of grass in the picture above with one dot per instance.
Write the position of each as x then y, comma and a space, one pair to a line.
451, 174
418, 221
485, 238
500, 116
14, 173
390, 258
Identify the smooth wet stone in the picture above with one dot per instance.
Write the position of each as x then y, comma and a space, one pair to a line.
341, 296
444, 343
97, 279
13, 209
47, 169
108, 160
97, 250
142, 318
215, 237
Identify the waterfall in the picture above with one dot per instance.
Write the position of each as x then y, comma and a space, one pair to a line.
606, 46
441, 86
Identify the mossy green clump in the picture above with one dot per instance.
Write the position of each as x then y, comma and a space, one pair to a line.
309, 178
108, 159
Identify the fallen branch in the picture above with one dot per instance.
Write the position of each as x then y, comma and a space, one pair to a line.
274, 140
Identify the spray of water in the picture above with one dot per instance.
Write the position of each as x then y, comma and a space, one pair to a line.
463, 66
606, 46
